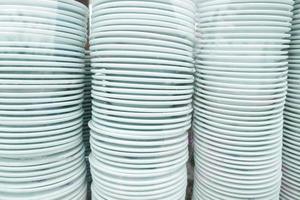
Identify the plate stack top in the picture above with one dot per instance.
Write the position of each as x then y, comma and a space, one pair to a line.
41, 89
239, 97
142, 64
291, 145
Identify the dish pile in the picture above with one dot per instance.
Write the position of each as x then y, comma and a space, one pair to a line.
291, 157
41, 91
240, 93
142, 85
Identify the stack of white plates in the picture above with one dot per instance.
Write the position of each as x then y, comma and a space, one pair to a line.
239, 98
41, 90
291, 132
142, 64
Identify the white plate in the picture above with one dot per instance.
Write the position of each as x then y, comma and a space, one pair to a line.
245, 64
64, 190
243, 58
164, 193
141, 91
138, 35
146, 104
60, 171
241, 102
38, 100
28, 16
133, 173
245, 15
242, 90
145, 16
235, 115
159, 74
40, 73
238, 5
141, 120
38, 33
133, 134
138, 54
146, 127
143, 10
238, 123
29, 82
187, 8
67, 137
42, 163
62, 4
102, 48
245, 29
141, 188
40, 50
64, 180
132, 77
44, 152
272, 124
55, 29
141, 60
281, 74
45, 13
45, 127
160, 25
142, 110
146, 163
133, 66
254, 184
41, 94
236, 160
240, 23
143, 115
188, 38
244, 108
40, 64
16, 35
142, 98
41, 45
31, 88
219, 51
246, 41
141, 149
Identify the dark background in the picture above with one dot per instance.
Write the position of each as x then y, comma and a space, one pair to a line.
86, 2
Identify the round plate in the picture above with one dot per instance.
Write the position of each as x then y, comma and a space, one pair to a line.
45, 13
134, 134
250, 5
58, 30
187, 8
176, 21
62, 4
142, 10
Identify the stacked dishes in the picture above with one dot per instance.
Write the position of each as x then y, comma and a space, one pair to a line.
240, 93
41, 91
142, 85
291, 143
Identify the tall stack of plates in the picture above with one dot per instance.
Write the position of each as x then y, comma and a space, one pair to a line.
41, 91
142, 85
291, 142
240, 93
